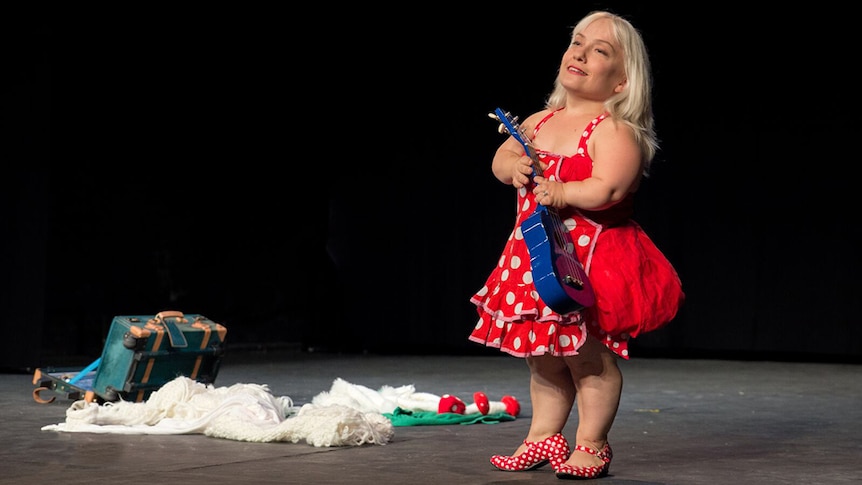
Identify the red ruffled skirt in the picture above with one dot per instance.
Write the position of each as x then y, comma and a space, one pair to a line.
637, 290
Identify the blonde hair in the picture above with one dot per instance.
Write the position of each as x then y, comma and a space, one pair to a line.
633, 105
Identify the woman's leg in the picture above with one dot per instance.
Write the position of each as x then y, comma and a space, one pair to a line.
552, 395
599, 384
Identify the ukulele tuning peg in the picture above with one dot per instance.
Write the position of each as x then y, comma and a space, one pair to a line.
501, 128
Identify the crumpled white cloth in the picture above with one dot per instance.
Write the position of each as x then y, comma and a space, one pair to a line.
387, 398
345, 416
383, 401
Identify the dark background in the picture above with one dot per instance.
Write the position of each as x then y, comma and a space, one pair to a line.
323, 180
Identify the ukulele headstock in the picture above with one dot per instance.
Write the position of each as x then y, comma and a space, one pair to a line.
509, 126
507, 122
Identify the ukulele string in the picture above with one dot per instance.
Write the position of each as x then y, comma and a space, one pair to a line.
567, 244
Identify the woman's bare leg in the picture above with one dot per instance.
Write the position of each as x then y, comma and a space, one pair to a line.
599, 384
552, 395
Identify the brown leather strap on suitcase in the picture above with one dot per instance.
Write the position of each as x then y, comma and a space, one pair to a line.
169, 319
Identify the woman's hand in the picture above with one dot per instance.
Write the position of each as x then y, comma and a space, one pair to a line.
549, 193
522, 170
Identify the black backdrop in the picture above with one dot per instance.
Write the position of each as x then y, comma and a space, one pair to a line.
324, 181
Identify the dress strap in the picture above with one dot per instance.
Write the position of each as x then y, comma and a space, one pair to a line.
546, 118
585, 136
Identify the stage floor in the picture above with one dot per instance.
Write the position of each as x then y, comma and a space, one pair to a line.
680, 422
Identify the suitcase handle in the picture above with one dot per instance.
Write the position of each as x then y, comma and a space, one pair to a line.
175, 335
169, 314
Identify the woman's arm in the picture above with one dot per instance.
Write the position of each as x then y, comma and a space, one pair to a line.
617, 169
511, 164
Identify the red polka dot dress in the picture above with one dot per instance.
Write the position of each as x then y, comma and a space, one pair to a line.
637, 289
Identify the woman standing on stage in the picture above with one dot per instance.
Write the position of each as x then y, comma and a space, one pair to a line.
594, 142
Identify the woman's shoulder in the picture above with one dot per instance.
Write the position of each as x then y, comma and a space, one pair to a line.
540, 115
605, 125
535, 120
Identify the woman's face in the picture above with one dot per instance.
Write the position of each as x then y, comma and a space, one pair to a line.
592, 66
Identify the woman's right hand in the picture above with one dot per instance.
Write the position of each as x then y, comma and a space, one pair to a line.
511, 164
522, 171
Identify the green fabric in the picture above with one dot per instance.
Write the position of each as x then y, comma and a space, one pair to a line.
404, 417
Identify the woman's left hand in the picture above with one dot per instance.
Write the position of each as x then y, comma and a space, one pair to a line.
549, 193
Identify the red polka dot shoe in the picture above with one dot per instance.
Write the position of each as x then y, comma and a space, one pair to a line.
553, 450
570, 472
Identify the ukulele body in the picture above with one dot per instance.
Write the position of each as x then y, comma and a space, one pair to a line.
558, 275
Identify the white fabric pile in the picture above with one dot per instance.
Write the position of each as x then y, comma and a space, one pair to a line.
384, 401
347, 415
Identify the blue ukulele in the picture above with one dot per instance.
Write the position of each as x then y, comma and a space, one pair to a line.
559, 276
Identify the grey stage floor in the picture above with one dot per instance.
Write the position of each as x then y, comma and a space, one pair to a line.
680, 422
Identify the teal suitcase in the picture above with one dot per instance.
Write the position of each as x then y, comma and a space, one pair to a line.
141, 354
